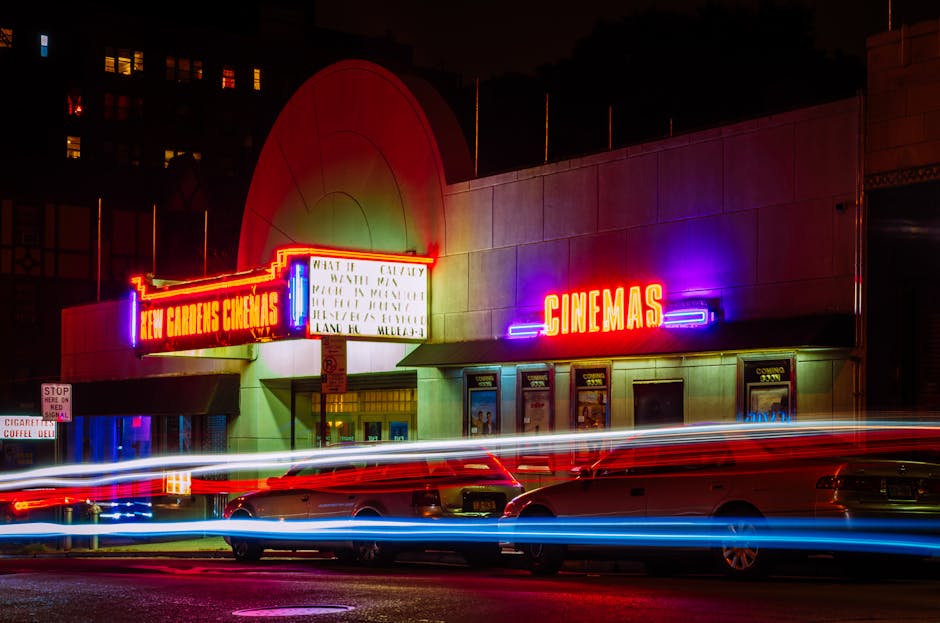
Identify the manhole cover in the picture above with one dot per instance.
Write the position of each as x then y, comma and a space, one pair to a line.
290, 611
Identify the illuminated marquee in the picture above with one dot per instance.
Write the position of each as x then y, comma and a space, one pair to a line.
603, 311
305, 291
377, 298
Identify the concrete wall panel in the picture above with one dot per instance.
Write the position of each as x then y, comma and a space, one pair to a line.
517, 212
628, 192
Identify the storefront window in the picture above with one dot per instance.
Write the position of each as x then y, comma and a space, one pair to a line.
537, 390
365, 415
767, 390
482, 403
658, 403
590, 409
591, 393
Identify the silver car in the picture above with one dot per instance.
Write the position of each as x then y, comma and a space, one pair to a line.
735, 487
468, 487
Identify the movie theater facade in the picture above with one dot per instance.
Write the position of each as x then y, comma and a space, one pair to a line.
384, 293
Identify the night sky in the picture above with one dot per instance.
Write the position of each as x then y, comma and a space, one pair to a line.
481, 38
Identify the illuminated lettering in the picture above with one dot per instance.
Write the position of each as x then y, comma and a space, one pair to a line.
654, 297
578, 312
603, 311
551, 322
593, 309
613, 310
634, 309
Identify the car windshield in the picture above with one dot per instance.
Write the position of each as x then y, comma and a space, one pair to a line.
482, 466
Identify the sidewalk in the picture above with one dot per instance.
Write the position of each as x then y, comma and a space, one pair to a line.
198, 547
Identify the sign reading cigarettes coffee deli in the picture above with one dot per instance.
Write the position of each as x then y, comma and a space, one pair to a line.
304, 292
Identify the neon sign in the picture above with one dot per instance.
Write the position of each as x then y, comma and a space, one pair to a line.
305, 291
604, 311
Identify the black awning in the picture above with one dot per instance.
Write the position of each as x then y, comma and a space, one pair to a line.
207, 394
803, 332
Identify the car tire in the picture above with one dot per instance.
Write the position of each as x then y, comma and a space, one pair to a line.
741, 560
374, 553
542, 558
246, 550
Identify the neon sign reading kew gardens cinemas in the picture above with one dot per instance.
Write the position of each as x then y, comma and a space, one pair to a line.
304, 292
381, 298
604, 311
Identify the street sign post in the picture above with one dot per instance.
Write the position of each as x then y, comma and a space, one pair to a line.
333, 364
57, 402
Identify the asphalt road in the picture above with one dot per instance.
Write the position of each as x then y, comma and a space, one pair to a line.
160, 589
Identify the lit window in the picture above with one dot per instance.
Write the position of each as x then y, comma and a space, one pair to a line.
125, 62
44, 46
228, 77
73, 147
6, 37
74, 101
256, 79
124, 66
197, 70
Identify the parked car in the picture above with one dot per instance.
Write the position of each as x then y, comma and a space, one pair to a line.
740, 483
454, 487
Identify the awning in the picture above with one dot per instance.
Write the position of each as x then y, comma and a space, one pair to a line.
803, 332
207, 394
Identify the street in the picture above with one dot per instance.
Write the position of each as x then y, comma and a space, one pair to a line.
162, 589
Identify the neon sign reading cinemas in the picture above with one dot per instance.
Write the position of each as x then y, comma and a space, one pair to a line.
604, 311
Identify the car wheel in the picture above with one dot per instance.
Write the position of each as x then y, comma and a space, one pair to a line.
246, 550
374, 553
739, 557
542, 558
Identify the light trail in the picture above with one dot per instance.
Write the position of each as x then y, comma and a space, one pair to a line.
920, 538
901, 433
52, 486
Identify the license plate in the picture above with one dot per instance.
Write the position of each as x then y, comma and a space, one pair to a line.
900, 492
483, 506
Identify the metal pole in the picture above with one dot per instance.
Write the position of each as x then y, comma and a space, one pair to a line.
205, 243
546, 128
610, 127
95, 510
67, 544
476, 129
293, 415
99, 250
153, 270
322, 411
